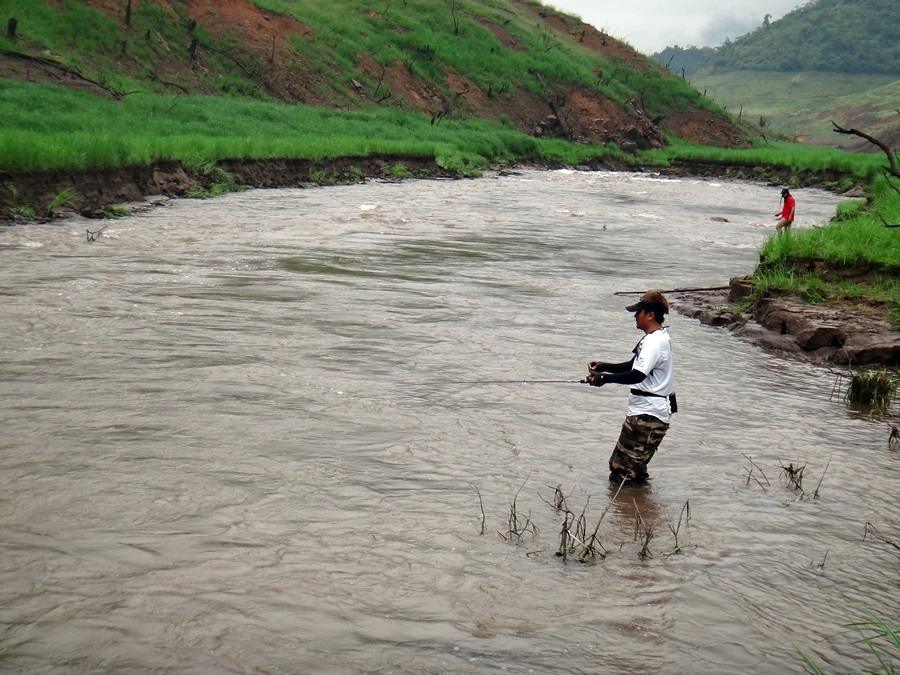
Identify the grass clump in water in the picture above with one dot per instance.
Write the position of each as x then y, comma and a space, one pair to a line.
880, 639
873, 388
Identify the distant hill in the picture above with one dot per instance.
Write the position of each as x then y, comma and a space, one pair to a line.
828, 60
836, 36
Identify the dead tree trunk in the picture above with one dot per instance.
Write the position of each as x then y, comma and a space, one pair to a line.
893, 169
192, 50
558, 104
11, 26
128, 13
455, 17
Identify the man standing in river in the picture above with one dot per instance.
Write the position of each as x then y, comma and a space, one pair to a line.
786, 215
651, 401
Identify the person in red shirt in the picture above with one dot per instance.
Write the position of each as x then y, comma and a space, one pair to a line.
786, 215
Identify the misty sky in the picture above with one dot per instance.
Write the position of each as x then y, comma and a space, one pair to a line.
651, 25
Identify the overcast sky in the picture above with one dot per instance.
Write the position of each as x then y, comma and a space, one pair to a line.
651, 25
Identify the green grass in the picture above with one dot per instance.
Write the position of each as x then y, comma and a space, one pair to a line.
780, 154
46, 127
878, 643
872, 388
779, 279
856, 236
419, 34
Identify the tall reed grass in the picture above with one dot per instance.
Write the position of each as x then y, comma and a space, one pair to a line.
45, 127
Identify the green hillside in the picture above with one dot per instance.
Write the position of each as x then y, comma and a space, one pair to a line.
828, 60
832, 36
836, 36
515, 63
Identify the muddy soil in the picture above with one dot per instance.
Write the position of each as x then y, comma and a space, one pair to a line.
821, 333
95, 191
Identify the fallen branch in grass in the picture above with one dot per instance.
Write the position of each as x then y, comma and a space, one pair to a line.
891, 156
51, 63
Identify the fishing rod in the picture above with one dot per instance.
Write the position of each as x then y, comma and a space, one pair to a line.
524, 381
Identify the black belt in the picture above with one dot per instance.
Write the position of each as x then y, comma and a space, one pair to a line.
673, 402
641, 392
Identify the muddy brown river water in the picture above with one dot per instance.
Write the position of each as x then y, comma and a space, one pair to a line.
234, 440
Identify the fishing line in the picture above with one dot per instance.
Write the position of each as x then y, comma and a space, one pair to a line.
525, 381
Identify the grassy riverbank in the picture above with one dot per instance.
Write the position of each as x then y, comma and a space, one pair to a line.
853, 260
44, 127
50, 128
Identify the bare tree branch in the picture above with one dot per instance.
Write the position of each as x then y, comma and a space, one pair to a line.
892, 158
61, 67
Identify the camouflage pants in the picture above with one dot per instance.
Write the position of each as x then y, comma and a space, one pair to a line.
640, 437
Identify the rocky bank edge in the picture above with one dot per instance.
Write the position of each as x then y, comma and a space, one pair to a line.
816, 333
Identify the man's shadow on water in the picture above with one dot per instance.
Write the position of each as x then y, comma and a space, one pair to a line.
642, 519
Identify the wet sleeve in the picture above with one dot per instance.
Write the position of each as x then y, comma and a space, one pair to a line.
631, 377
623, 367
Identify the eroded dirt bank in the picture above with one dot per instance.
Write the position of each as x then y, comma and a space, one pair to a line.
825, 334
94, 191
